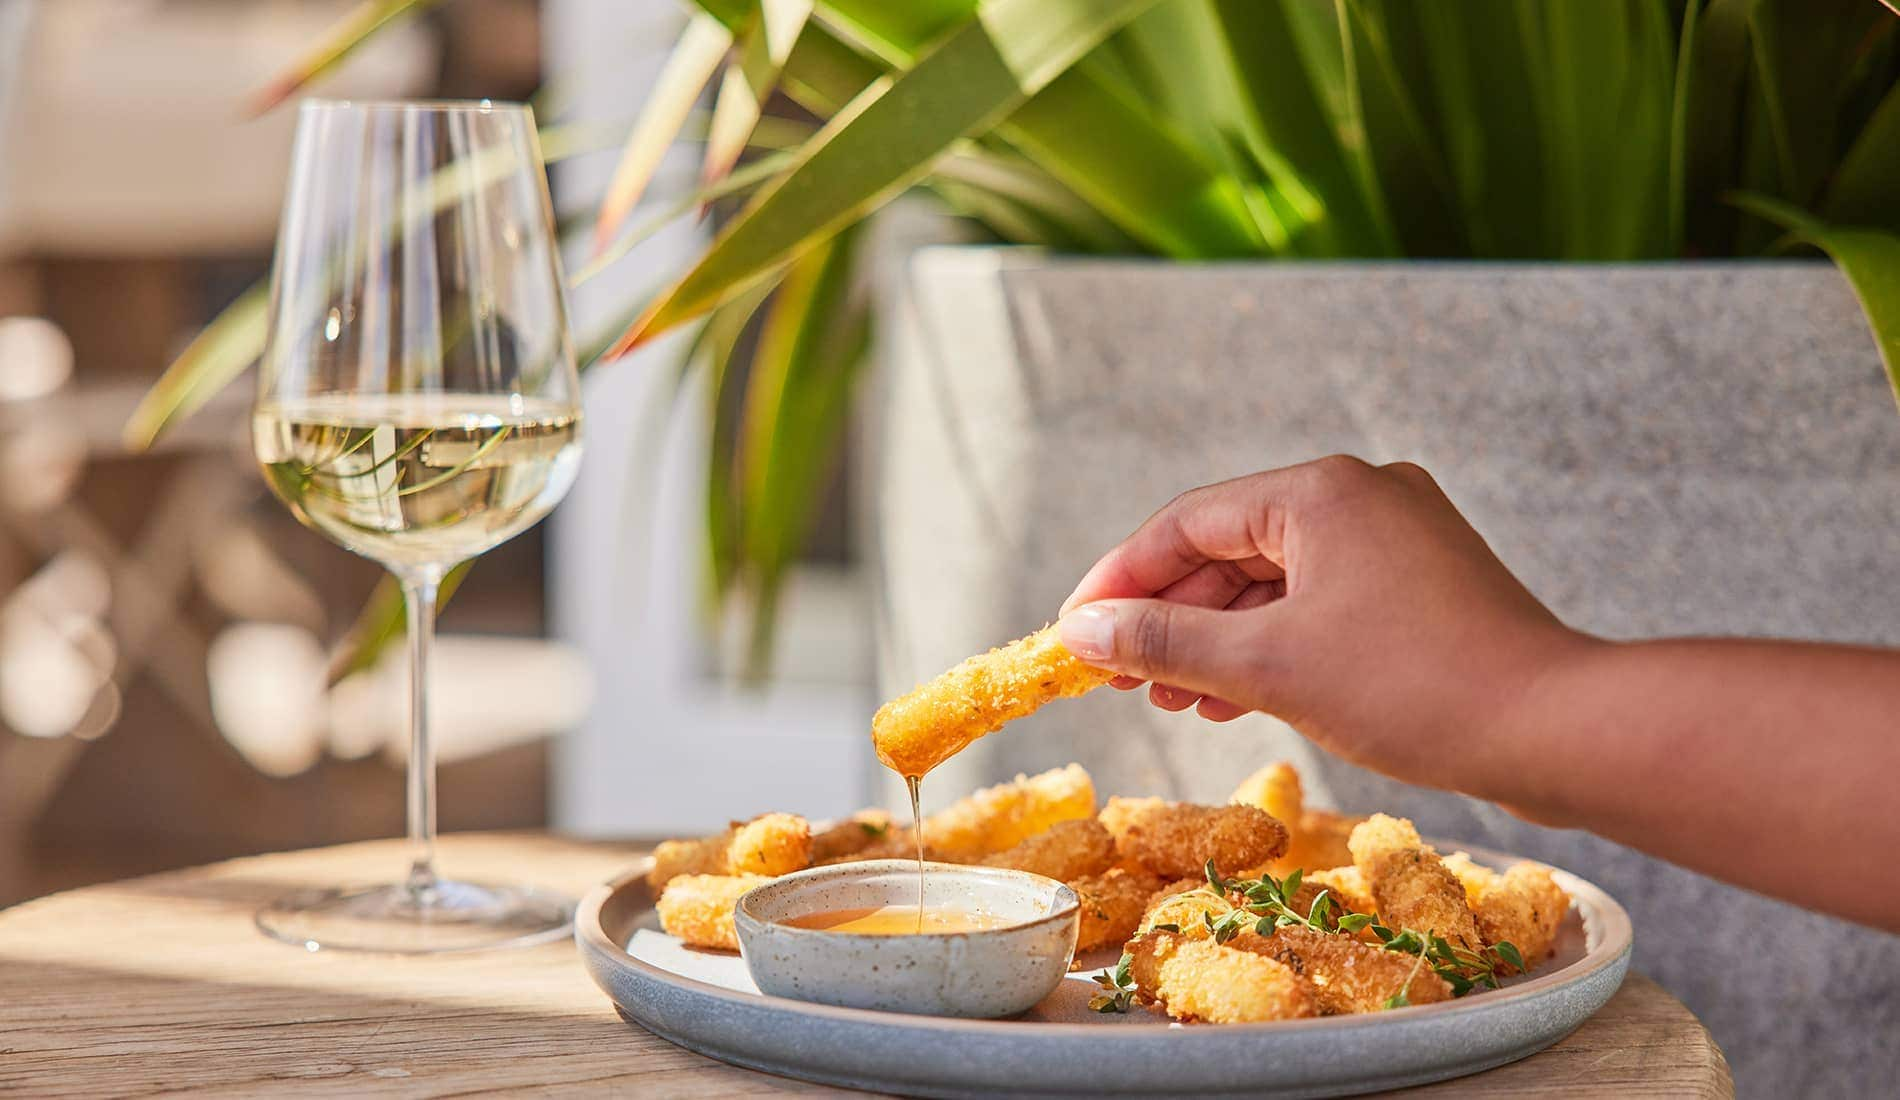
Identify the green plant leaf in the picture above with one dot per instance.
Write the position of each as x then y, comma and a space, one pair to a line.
1387, 84
349, 32
1803, 63
1865, 189
811, 349
213, 360
1605, 96
1481, 100
1090, 134
749, 82
888, 138
694, 59
1705, 123
1870, 258
1289, 67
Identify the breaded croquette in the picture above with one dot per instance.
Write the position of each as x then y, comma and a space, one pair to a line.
1176, 839
1346, 885
1275, 789
915, 732
1198, 979
1473, 876
1064, 851
698, 908
771, 844
1112, 904
1523, 906
1003, 816
1317, 840
848, 837
1410, 887
1350, 976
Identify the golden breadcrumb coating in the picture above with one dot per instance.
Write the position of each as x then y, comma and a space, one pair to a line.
1349, 976
1112, 904
1523, 906
771, 844
914, 733
848, 837
1198, 979
1065, 850
1409, 884
1176, 839
1347, 886
1315, 838
1472, 875
698, 908
1275, 789
1005, 815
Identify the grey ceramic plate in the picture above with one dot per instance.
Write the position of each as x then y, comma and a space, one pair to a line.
705, 1001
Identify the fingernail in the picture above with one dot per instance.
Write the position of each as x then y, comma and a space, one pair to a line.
1089, 632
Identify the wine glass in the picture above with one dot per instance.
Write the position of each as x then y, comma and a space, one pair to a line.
417, 403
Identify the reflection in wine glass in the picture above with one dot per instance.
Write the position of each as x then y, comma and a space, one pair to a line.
417, 403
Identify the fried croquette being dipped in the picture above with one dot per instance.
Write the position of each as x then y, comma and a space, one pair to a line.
915, 732
1066, 850
1112, 904
771, 844
1001, 817
1176, 839
1197, 979
698, 908
1348, 975
1410, 886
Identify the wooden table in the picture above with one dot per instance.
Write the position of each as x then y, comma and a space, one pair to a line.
162, 983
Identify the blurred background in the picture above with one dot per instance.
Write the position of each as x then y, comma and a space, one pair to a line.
167, 629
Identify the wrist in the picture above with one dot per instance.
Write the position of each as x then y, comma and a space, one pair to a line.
1525, 744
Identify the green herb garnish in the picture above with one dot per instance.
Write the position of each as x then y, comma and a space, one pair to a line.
1118, 991
1266, 904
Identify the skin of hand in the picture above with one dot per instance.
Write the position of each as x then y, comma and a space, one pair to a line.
1358, 605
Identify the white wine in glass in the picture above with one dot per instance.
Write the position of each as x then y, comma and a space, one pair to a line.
417, 404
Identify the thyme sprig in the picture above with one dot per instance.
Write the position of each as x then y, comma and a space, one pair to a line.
1118, 990
1266, 905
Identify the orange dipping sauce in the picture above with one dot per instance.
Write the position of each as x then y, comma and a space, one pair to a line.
897, 920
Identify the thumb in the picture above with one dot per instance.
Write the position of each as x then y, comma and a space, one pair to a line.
1214, 652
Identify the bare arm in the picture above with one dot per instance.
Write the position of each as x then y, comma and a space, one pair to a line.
1358, 604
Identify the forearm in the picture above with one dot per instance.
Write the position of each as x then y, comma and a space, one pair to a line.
1771, 765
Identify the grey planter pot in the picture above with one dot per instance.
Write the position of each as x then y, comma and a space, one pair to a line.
1654, 449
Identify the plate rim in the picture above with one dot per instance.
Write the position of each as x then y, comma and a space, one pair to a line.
1615, 942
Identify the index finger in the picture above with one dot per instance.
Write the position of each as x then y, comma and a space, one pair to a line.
1230, 521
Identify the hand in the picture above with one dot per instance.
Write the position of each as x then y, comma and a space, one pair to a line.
1353, 602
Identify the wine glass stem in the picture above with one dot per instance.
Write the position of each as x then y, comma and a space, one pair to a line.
418, 596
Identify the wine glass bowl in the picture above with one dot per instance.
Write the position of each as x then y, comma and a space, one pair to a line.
417, 404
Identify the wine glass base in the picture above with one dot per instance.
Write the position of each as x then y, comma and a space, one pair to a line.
396, 919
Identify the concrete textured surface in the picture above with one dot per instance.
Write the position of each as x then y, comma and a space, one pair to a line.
1653, 449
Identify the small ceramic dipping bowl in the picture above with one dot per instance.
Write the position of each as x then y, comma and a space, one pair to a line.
986, 973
